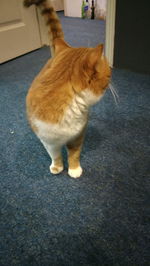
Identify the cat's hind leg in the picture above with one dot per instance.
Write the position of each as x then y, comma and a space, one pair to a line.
54, 152
74, 149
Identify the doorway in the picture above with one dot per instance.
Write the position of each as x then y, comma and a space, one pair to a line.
22, 32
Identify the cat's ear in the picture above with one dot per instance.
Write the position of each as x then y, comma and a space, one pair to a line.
59, 45
95, 56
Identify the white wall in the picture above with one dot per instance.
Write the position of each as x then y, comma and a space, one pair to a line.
58, 4
101, 8
73, 7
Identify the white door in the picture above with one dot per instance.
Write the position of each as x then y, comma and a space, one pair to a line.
19, 29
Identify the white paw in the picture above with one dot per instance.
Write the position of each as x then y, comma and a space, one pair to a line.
56, 169
75, 173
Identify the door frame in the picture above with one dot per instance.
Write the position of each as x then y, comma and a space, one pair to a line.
109, 36
110, 31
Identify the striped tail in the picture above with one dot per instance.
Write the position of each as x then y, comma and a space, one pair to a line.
51, 17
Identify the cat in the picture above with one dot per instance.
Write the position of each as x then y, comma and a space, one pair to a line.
59, 98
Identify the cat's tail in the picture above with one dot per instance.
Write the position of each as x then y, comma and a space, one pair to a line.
52, 19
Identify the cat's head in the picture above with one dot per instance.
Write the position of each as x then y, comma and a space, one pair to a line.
86, 68
97, 74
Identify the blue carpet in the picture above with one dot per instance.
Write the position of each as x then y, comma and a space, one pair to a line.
83, 32
99, 219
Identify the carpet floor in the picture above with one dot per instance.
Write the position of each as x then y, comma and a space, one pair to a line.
99, 219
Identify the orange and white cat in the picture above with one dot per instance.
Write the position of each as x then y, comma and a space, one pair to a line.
61, 95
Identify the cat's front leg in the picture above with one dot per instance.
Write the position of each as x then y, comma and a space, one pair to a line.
56, 166
54, 151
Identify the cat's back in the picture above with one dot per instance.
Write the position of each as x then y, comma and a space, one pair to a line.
49, 94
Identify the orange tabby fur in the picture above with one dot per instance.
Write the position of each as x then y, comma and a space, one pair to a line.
59, 97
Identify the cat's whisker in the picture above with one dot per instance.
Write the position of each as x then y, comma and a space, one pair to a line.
114, 93
113, 89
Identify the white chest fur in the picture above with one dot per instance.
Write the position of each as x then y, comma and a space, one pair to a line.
74, 120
